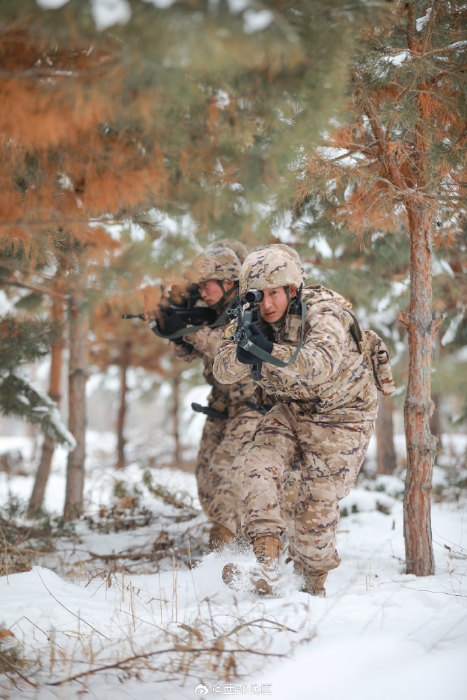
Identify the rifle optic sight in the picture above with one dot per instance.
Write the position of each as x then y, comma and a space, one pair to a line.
254, 296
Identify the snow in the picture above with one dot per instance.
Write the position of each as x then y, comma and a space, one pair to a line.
237, 6
451, 330
386, 61
256, 21
380, 633
51, 4
106, 13
398, 58
161, 4
422, 21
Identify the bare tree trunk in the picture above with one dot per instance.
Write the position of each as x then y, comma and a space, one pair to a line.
79, 327
176, 380
435, 422
124, 363
421, 446
386, 454
48, 447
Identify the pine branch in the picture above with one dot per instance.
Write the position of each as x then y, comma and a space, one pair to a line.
34, 288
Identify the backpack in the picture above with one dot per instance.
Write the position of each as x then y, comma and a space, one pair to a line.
376, 353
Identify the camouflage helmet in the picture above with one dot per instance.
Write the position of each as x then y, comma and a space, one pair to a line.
214, 264
273, 266
238, 248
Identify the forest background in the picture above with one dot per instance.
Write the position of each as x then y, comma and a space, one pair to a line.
134, 133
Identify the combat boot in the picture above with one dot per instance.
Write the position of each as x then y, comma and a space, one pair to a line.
313, 581
264, 578
219, 537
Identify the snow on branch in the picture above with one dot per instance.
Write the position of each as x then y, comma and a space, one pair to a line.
20, 398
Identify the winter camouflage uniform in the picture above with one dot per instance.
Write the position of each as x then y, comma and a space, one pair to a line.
324, 415
222, 439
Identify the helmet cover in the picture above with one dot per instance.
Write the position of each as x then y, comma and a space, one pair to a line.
276, 265
237, 246
214, 264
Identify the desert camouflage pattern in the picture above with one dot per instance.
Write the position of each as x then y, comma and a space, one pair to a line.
219, 479
237, 246
330, 378
214, 264
324, 415
275, 265
330, 455
223, 440
211, 437
378, 355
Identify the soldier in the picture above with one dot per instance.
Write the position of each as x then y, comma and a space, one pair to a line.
324, 413
230, 422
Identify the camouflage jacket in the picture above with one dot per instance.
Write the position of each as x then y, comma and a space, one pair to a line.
329, 378
227, 397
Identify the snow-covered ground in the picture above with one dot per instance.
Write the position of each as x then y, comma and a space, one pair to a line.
379, 633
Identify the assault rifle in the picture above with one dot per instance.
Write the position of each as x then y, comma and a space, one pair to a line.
248, 314
183, 302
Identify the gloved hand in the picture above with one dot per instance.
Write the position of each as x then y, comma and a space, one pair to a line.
170, 321
259, 339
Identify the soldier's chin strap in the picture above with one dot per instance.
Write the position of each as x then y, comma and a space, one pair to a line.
219, 305
261, 354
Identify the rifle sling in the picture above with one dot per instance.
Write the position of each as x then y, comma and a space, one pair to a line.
246, 344
354, 329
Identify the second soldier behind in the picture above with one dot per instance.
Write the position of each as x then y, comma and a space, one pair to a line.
230, 422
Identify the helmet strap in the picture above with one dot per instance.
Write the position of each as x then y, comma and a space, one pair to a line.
219, 305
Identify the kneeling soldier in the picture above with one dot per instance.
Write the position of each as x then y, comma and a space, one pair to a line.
230, 421
324, 392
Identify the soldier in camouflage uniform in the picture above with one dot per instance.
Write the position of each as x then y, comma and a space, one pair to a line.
324, 416
224, 436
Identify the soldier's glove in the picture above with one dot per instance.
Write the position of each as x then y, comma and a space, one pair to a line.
257, 338
170, 322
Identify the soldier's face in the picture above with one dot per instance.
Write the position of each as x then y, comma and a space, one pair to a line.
211, 291
275, 303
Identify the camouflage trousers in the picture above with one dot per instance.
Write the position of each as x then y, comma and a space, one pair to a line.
212, 435
221, 452
330, 455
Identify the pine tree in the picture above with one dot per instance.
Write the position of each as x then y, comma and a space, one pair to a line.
22, 343
188, 111
48, 447
401, 159
125, 344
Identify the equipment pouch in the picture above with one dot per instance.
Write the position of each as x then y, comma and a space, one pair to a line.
376, 351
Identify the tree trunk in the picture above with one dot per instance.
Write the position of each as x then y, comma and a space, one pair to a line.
176, 416
386, 455
435, 422
79, 327
421, 446
124, 363
48, 447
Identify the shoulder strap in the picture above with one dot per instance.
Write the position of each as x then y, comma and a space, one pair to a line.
355, 330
